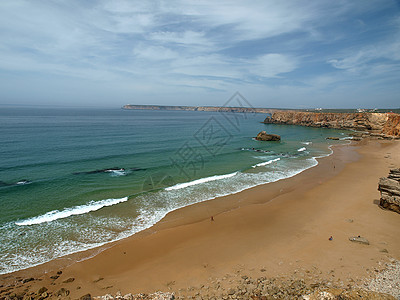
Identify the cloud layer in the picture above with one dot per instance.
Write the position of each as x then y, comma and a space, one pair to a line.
276, 53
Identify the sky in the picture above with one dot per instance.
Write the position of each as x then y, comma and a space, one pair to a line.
282, 54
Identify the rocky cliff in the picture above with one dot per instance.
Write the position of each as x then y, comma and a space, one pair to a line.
392, 125
384, 123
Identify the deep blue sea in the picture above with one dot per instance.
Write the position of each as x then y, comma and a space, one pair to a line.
74, 179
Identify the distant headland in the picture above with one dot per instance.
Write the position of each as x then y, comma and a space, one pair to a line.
384, 122
202, 108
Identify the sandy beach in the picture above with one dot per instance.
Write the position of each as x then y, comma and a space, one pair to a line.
280, 229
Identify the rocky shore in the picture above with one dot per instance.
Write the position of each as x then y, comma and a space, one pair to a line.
384, 125
311, 284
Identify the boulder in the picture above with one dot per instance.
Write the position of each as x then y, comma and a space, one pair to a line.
62, 293
359, 239
332, 138
390, 191
264, 136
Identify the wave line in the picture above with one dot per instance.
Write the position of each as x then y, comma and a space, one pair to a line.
266, 162
199, 181
67, 212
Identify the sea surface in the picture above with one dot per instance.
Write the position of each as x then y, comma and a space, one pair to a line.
74, 179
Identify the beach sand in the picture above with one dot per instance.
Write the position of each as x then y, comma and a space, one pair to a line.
278, 229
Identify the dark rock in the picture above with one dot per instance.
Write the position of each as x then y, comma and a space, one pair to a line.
332, 138
359, 239
54, 277
264, 136
27, 280
59, 272
86, 297
62, 293
42, 290
69, 280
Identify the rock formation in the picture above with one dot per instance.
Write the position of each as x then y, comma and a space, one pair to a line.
392, 125
264, 136
383, 124
390, 191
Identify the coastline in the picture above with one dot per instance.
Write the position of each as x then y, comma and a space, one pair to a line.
278, 227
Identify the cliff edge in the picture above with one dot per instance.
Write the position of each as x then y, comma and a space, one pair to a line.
387, 124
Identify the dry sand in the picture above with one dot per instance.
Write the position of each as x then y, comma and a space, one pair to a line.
279, 229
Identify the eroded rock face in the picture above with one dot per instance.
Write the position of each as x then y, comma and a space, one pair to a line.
264, 136
392, 126
384, 123
390, 191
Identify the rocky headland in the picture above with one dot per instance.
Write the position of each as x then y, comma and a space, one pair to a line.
384, 125
201, 108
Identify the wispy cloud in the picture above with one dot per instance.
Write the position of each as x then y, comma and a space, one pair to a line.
203, 48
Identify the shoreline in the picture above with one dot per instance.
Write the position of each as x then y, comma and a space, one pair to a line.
105, 245
248, 228
83, 254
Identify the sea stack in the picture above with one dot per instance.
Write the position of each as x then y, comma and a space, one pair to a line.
264, 136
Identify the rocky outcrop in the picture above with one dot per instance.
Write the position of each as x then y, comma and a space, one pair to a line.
392, 125
201, 108
383, 124
264, 136
390, 191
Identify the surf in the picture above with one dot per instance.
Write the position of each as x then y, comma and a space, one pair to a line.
72, 211
199, 181
266, 162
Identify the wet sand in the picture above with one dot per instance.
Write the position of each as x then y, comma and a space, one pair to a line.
275, 229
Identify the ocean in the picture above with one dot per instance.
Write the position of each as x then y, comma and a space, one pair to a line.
75, 179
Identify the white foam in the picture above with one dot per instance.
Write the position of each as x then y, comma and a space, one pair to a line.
199, 181
117, 173
266, 162
302, 149
67, 212
306, 143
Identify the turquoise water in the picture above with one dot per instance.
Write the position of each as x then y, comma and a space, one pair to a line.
74, 179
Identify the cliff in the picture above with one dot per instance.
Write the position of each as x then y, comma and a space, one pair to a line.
392, 125
383, 123
201, 108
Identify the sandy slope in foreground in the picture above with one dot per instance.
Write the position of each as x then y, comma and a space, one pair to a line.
281, 227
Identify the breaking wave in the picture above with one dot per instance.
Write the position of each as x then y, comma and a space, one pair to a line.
72, 211
266, 162
199, 181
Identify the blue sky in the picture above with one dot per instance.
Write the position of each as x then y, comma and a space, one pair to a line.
289, 54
